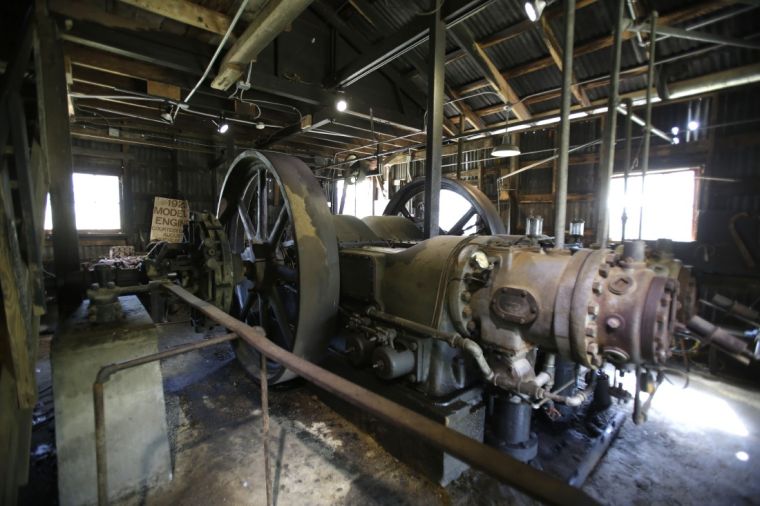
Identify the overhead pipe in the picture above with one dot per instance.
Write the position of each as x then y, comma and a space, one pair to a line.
739, 76
648, 116
608, 145
560, 197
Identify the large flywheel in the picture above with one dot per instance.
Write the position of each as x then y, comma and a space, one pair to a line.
465, 210
277, 220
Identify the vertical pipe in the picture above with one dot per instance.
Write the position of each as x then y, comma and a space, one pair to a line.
265, 419
434, 127
648, 117
608, 144
460, 147
627, 160
100, 444
560, 198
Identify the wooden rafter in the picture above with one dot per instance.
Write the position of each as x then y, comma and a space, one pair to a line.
502, 87
679, 16
555, 50
470, 115
185, 12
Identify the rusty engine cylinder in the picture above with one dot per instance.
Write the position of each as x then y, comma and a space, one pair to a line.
588, 306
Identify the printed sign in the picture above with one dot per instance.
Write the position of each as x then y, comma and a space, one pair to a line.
169, 215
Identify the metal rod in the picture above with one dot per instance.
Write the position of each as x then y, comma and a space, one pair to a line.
627, 161
264, 380
499, 465
648, 117
607, 161
560, 197
698, 36
460, 147
434, 126
104, 374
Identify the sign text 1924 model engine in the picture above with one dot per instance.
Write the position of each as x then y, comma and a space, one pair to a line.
454, 320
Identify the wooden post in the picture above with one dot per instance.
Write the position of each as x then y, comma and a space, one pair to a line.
56, 144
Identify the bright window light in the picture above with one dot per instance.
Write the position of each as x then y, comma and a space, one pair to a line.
668, 204
359, 199
97, 203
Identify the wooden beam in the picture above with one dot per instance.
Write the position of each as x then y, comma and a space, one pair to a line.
464, 38
679, 16
470, 115
52, 102
556, 51
185, 12
500, 84
268, 24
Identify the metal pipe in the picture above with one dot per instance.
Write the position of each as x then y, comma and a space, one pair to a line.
460, 147
452, 338
104, 374
435, 117
648, 116
216, 54
264, 380
627, 161
560, 198
697, 36
490, 460
607, 161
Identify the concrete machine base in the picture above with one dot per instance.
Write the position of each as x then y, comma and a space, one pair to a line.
138, 448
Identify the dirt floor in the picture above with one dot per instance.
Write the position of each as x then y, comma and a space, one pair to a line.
699, 446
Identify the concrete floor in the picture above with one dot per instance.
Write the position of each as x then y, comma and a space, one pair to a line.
689, 452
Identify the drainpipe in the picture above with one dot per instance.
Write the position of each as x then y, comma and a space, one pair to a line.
560, 198
608, 144
648, 115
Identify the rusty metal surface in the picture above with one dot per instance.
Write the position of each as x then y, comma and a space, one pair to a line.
480, 456
298, 308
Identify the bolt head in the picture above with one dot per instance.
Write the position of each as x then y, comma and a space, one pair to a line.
596, 287
593, 309
613, 322
467, 312
466, 296
472, 326
591, 331
604, 270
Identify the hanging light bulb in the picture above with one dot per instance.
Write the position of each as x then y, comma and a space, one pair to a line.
505, 148
534, 9
221, 126
693, 125
341, 105
675, 130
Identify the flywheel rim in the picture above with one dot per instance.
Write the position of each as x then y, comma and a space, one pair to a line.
308, 289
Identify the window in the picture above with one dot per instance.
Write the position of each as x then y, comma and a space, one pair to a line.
359, 198
97, 202
668, 205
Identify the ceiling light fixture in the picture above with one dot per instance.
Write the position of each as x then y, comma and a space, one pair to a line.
693, 125
505, 148
221, 126
675, 130
260, 126
341, 104
534, 9
166, 114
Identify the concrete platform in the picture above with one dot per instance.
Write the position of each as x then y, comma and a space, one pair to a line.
138, 447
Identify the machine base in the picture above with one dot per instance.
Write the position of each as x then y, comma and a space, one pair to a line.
571, 450
464, 413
